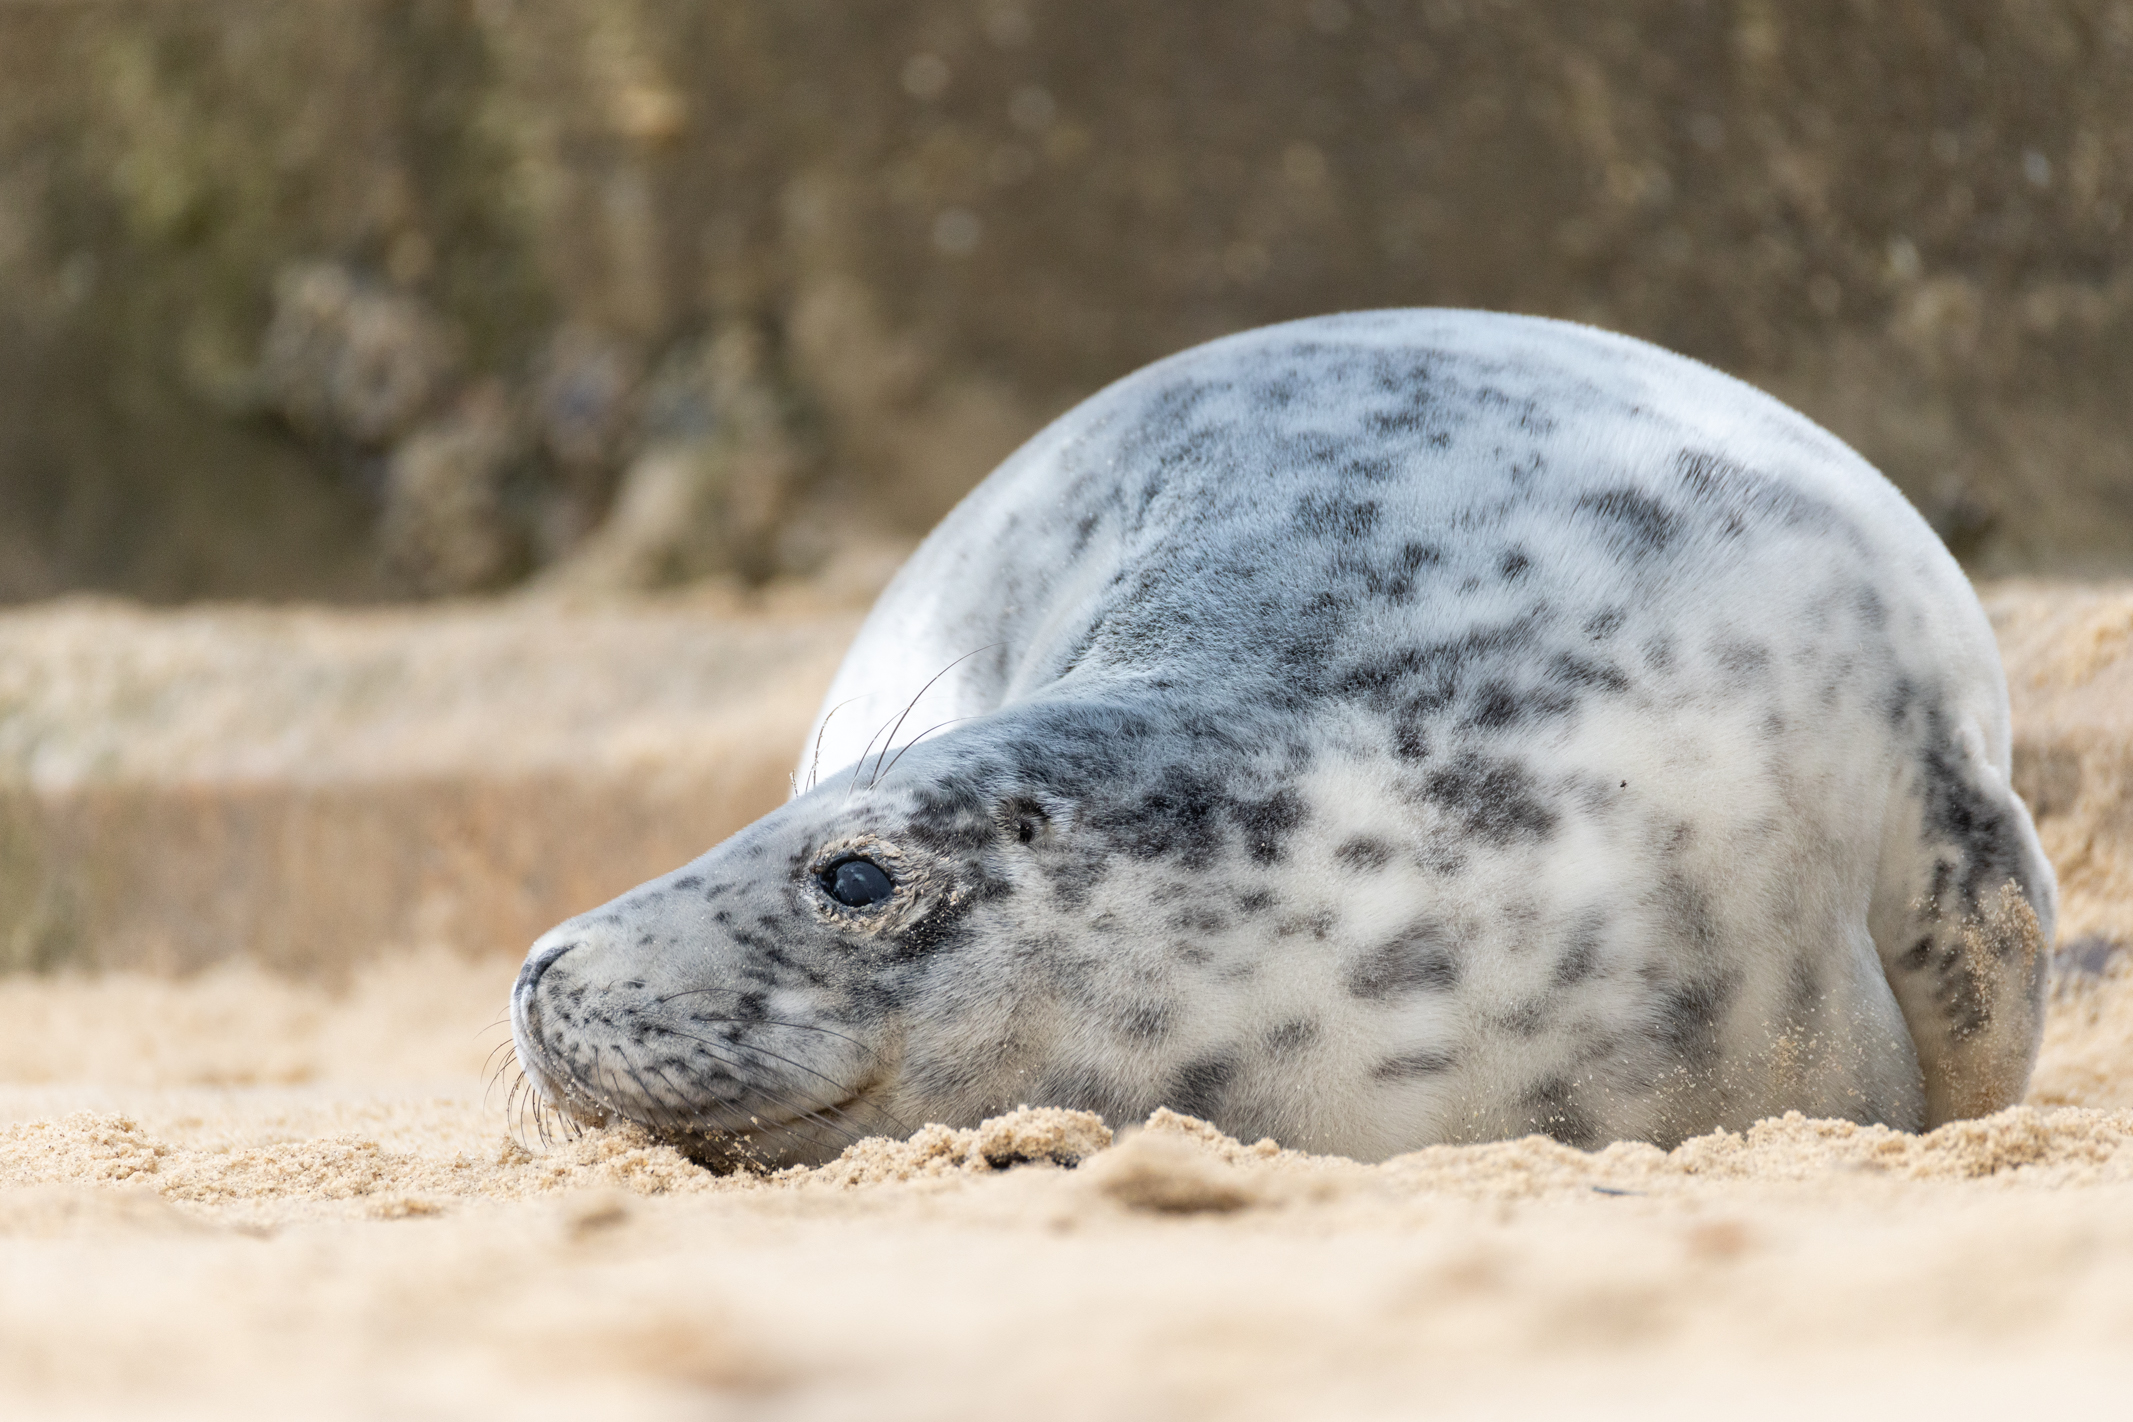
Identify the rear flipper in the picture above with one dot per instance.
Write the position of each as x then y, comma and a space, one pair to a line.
1962, 919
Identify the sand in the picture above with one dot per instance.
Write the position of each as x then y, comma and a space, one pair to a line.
2068, 650
236, 1196
238, 1193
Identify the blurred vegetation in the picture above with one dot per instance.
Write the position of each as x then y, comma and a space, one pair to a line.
359, 298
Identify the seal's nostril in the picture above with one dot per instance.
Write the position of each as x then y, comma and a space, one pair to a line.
525, 1013
538, 963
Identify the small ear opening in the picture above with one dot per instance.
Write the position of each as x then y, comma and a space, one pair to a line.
1026, 821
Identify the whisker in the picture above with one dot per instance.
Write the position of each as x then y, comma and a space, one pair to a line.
549, 1116
861, 1130
911, 706
620, 1085
719, 1052
533, 1103
860, 764
532, 1107
516, 1108
733, 1140
490, 1066
901, 1127
697, 1123
645, 1094
796, 1111
953, 720
611, 1106
764, 1021
488, 1090
843, 1088
814, 763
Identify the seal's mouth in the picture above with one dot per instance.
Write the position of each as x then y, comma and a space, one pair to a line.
768, 1141
815, 1138
610, 1087
731, 1093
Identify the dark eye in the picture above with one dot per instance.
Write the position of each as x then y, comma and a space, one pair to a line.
856, 883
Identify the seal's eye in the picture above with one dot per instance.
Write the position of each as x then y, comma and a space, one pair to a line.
856, 883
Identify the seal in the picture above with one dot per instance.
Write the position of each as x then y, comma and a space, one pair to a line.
1368, 732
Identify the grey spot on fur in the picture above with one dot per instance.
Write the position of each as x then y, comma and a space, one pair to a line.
1291, 1037
1147, 1021
1364, 852
1411, 1065
1419, 960
1200, 1085
1557, 1112
1581, 954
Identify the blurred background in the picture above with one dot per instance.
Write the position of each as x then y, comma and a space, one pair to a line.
320, 318
385, 299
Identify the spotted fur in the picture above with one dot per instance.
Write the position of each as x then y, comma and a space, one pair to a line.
1373, 731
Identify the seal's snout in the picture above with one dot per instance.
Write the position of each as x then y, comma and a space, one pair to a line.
525, 1011
525, 1008
738, 1040
537, 962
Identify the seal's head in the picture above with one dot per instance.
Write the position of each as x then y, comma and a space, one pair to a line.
750, 1005
922, 945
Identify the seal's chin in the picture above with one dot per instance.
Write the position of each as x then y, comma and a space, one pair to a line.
734, 1113
769, 1142
756, 1152
815, 1138
550, 1101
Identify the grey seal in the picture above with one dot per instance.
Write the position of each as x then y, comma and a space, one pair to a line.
1369, 732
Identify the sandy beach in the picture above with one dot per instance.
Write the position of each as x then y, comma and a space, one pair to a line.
238, 1191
